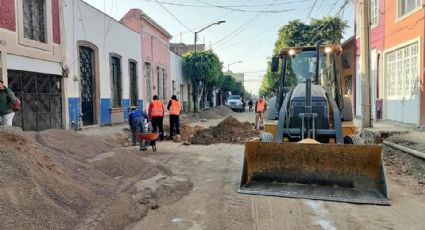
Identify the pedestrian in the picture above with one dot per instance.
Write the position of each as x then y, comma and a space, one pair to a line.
7, 102
250, 104
156, 114
136, 119
260, 108
174, 108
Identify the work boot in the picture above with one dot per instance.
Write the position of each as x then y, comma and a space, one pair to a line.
143, 148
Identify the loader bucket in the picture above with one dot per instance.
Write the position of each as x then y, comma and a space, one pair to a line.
345, 173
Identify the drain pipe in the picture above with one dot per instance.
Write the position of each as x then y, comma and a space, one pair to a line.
404, 149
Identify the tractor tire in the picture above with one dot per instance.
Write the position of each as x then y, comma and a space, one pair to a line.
347, 111
353, 140
266, 137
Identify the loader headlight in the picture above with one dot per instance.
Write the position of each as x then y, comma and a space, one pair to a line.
291, 52
328, 49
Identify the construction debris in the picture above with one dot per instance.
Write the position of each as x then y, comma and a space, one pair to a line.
230, 130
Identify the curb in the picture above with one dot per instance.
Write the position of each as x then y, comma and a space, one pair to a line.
404, 149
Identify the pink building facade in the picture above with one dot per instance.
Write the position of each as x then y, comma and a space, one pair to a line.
377, 34
155, 56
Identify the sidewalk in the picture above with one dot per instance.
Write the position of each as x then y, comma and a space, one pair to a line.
411, 140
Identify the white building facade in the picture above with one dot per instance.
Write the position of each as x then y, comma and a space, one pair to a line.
104, 65
180, 85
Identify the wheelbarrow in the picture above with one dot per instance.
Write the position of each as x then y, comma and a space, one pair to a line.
149, 138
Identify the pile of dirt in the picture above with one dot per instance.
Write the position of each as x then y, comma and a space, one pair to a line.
187, 131
209, 114
215, 112
222, 110
230, 130
59, 179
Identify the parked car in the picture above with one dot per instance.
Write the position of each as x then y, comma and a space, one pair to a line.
235, 103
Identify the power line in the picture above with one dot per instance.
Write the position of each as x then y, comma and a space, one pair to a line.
172, 15
226, 7
239, 29
242, 10
311, 10
235, 44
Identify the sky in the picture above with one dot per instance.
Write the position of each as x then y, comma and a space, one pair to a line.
247, 36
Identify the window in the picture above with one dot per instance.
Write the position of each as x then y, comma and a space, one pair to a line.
173, 85
133, 83
348, 85
407, 6
374, 12
402, 71
116, 81
147, 73
34, 17
162, 83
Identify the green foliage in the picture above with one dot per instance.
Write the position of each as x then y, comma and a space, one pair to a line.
328, 29
203, 66
229, 84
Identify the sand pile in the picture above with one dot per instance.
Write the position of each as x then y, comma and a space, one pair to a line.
230, 130
60, 179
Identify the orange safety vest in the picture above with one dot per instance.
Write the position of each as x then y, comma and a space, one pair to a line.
261, 104
175, 107
157, 109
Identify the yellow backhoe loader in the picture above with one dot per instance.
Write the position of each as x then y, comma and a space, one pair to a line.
313, 151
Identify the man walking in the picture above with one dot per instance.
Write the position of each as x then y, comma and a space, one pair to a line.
7, 99
260, 108
174, 107
156, 114
250, 104
136, 119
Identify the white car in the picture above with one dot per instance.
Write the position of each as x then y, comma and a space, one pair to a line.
235, 103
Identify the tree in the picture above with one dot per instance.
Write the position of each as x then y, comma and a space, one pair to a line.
328, 29
204, 70
229, 84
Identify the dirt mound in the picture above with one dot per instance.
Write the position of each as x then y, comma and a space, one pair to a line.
222, 110
230, 130
209, 114
187, 131
59, 179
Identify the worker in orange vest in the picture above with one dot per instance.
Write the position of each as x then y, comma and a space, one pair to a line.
174, 107
260, 108
156, 115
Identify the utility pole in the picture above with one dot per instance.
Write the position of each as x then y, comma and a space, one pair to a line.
364, 16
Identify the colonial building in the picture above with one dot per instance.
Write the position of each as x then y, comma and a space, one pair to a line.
397, 79
155, 43
104, 58
32, 60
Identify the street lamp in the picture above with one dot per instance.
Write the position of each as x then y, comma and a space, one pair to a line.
199, 31
236, 62
196, 38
